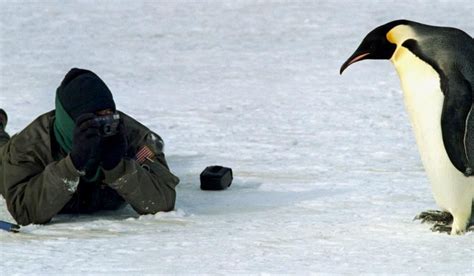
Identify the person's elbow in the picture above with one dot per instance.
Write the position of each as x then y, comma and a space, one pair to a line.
168, 203
23, 216
165, 203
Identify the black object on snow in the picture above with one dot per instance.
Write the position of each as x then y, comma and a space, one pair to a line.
216, 178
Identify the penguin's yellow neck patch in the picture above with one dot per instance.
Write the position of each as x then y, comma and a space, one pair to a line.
398, 35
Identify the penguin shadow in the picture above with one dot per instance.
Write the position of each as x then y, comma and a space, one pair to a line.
243, 196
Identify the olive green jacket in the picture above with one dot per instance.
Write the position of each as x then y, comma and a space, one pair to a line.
37, 178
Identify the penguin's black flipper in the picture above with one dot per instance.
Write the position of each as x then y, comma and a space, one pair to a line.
457, 124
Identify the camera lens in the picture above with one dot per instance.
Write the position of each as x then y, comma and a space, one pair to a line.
107, 129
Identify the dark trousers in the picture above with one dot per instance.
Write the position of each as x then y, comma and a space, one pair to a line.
93, 197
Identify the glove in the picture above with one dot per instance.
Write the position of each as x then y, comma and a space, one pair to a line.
85, 141
114, 148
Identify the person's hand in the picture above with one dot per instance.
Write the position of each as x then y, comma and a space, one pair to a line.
114, 148
85, 141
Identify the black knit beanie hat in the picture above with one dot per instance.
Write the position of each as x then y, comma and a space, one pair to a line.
82, 92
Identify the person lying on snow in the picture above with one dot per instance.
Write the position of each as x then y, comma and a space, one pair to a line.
83, 157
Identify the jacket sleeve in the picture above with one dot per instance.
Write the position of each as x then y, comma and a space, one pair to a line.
148, 187
35, 193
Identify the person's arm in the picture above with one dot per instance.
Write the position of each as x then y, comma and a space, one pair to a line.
148, 186
36, 190
34, 194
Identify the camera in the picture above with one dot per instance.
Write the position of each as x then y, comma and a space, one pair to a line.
108, 124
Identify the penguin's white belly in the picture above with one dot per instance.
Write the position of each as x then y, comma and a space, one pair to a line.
424, 103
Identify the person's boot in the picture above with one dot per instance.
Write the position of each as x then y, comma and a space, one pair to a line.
3, 120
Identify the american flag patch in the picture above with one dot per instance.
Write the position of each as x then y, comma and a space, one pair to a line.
143, 154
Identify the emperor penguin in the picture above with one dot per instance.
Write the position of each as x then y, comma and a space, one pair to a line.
436, 69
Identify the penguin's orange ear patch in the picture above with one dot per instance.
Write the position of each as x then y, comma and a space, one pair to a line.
391, 37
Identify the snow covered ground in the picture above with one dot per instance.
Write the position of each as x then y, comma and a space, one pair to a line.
327, 173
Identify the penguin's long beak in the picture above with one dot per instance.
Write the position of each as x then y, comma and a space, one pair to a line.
357, 56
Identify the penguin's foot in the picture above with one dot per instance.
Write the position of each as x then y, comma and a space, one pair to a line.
445, 223
436, 217
448, 229
460, 222
442, 228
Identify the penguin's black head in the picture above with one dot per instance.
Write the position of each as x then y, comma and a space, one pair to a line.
375, 45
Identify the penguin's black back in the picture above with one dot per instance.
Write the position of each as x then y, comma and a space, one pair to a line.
448, 50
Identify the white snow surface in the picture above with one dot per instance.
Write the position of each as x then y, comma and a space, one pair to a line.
327, 174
